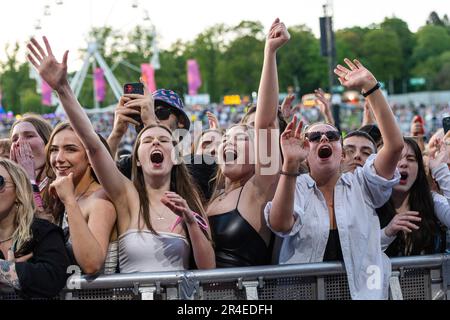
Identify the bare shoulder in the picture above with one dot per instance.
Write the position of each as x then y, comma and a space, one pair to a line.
99, 203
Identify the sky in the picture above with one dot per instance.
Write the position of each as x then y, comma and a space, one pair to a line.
69, 23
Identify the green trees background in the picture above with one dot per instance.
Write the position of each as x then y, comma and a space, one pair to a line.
230, 59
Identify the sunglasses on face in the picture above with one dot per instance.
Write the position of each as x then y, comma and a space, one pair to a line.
163, 113
3, 183
316, 136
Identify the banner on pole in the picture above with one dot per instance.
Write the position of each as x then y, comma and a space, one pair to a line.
194, 77
100, 85
148, 75
46, 92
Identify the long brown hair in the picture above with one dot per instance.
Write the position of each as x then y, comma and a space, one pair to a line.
181, 182
428, 239
52, 205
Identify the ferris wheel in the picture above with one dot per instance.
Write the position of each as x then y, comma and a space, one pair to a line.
93, 58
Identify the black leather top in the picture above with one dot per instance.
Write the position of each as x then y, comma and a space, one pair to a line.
237, 243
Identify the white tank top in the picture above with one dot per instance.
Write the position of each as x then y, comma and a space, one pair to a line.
143, 251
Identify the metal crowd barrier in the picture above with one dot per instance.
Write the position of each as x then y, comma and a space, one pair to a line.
413, 278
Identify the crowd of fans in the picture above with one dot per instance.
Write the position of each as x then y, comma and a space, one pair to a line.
260, 185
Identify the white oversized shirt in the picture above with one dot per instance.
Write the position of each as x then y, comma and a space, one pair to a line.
357, 195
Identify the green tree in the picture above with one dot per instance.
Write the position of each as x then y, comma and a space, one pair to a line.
383, 55
432, 41
15, 80
240, 71
300, 61
208, 48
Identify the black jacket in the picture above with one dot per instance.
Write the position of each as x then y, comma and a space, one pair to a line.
45, 274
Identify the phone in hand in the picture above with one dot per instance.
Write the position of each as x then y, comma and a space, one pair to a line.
446, 124
134, 88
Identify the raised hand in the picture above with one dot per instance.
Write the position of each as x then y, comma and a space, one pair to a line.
145, 104
64, 188
286, 107
278, 36
440, 152
178, 206
23, 155
355, 76
417, 127
213, 121
124, 116
324, 105
51, 71
295, 147
403, 222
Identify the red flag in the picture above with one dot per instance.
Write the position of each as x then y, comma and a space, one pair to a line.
148, 75
46, 93
100, 84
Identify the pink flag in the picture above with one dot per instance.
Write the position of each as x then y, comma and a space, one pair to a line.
46, 94
99, 84
148, 75
194, 77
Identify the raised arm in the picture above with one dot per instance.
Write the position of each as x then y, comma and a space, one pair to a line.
357, 76
325, 106
267, 109
55, 74
295, 151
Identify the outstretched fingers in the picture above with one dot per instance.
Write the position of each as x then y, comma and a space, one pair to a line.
299, 130
34, 54
39, 48
350, 64
32, 61
47, 46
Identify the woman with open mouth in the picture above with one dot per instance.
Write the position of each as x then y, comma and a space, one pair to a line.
427, 211
160, 219
244, 184
329, 216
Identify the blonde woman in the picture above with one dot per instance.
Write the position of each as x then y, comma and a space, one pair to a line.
33, 259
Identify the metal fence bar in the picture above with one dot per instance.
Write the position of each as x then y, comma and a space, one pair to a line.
430, 273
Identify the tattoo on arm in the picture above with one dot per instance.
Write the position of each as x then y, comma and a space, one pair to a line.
8, 274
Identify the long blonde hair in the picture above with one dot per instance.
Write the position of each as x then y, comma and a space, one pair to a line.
181, 182
24, 202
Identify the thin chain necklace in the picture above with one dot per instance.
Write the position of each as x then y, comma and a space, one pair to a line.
6, 240
224, 194
85, 191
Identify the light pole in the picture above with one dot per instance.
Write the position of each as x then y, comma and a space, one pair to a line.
330, 42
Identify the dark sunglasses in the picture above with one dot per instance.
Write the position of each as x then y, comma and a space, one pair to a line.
3, 183
163, 113
316, 136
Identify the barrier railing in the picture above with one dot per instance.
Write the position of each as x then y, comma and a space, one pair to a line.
418, 278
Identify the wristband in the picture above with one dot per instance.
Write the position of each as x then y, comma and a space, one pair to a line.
288, 174
368, 93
